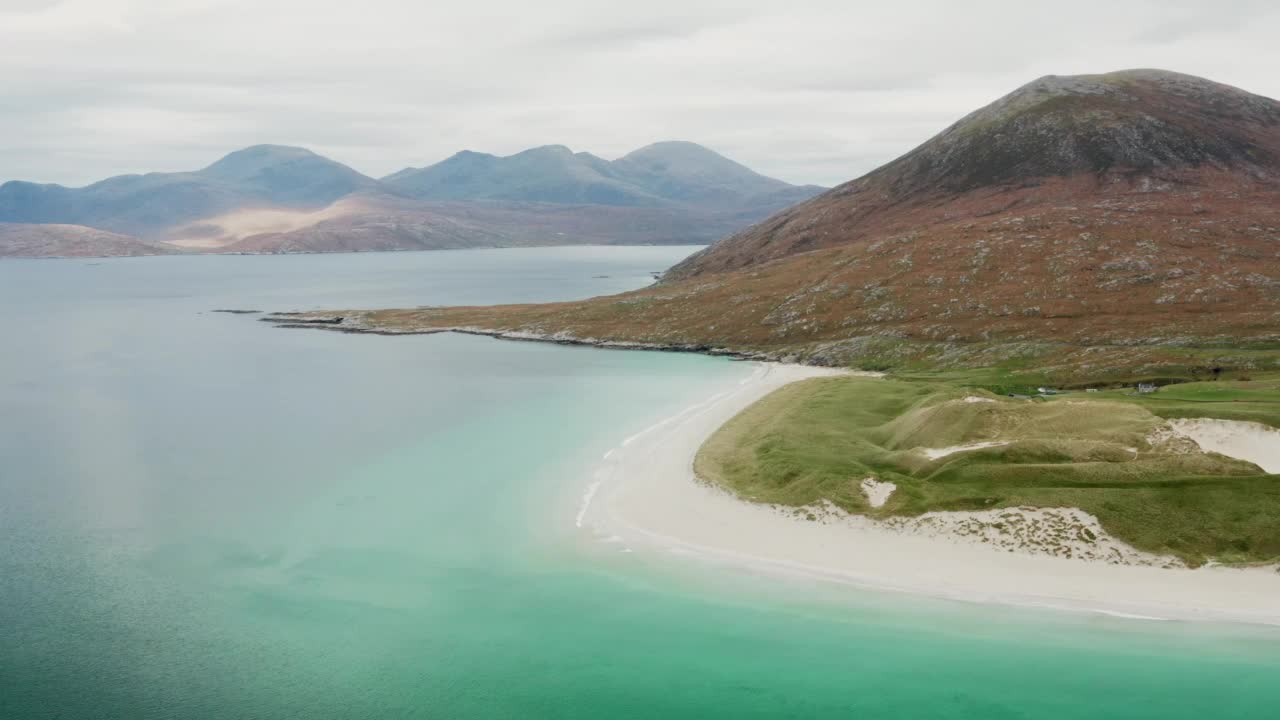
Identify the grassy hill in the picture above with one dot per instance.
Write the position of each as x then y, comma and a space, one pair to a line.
817, 440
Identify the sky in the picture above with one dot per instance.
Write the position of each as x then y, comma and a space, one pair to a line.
809, 92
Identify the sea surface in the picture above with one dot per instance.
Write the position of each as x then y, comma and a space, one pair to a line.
202, 516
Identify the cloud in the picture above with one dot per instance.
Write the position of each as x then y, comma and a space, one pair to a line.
614, 34
62, 17
809, 91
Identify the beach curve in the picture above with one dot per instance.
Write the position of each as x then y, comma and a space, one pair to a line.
645, 494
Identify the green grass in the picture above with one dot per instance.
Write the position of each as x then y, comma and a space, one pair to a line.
1256, 401
1005, 367
818, 439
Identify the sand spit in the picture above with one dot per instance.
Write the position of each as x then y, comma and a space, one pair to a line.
648, 499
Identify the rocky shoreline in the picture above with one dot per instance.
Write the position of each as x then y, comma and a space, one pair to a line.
1074, 366
354, 325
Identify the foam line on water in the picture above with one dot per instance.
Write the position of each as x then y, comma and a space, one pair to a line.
586, 502
667, 421
694, 410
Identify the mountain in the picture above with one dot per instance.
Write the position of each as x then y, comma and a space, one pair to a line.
26, 240
1057, 139
289, 176
272, 198
148, 205
662, 174
369, 224
1130, 219
690, 173
553, 174
132, 204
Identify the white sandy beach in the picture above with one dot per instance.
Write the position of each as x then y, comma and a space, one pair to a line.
646, 494
1250, 441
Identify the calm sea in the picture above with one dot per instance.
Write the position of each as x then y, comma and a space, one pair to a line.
205, 517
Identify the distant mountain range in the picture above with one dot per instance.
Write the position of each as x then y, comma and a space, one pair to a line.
653, 176
271, 198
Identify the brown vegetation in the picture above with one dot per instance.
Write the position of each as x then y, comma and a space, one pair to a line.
1132, 216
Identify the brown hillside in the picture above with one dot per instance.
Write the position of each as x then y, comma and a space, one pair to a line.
1132, 209
32, 240
1110, 136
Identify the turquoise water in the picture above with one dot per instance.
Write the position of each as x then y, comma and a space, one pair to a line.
205, 517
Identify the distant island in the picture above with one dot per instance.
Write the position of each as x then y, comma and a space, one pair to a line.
277, 199
1072, 295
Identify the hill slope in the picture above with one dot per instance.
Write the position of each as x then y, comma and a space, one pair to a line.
1057, 139
148, 205
1135, 212
26, 240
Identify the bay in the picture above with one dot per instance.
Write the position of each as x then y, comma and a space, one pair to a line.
202, 516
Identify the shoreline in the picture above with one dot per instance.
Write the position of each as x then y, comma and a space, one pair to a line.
644, 493
180, 251
352, 323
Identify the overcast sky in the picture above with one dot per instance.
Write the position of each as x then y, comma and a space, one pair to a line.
815, 92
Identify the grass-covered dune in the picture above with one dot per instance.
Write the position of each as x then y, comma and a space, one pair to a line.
1254, 401
1100, 452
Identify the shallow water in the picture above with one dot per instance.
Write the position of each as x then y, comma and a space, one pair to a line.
202, 516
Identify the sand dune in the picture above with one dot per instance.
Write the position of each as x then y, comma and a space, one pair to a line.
1250, 441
